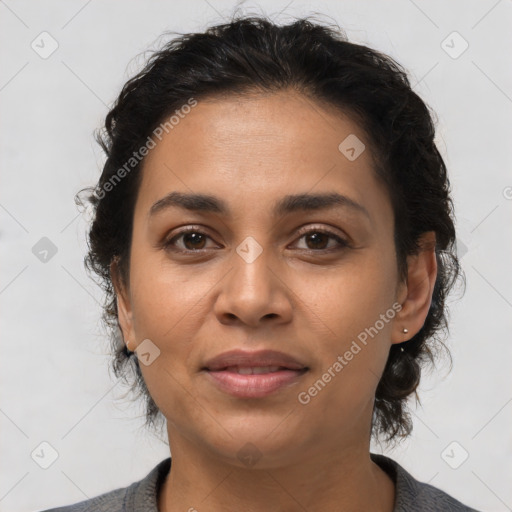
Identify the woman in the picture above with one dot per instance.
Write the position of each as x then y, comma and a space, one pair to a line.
275, 234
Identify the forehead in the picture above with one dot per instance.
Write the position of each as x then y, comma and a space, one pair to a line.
251, 149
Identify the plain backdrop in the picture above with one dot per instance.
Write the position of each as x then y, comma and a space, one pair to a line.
55, 384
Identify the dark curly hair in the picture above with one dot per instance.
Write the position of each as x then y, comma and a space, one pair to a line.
251, 54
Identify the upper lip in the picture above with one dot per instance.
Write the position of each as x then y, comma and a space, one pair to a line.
247, 359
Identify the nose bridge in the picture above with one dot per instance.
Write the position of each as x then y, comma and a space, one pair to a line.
252, 291
252, 276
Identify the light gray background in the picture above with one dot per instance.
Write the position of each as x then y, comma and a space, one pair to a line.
54, 357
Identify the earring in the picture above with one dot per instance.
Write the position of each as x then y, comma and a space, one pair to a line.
405, 331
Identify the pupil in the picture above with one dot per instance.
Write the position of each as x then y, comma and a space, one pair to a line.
194, 238
315, 238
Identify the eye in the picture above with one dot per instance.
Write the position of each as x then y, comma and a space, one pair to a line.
192, 240
317, 240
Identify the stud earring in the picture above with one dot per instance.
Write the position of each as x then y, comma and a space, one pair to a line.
405, 331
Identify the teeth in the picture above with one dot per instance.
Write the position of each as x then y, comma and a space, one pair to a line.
253, 370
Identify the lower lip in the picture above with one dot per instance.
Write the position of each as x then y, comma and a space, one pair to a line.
254, 386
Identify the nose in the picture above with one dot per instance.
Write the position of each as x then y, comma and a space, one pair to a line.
254, 293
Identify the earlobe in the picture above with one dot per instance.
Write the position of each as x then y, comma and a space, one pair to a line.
416, 296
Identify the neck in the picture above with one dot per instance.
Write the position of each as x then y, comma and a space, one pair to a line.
319, 480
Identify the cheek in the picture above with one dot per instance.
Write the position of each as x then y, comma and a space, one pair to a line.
354, 315
342, 387
353, 297
169, 307
167, 297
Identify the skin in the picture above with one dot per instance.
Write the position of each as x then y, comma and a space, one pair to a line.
251, 151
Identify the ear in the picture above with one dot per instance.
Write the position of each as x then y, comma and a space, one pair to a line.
415, 295
124, 307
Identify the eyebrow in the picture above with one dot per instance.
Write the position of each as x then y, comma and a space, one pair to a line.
287, 204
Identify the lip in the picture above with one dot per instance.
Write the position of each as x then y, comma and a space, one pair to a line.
248, 359
221, 373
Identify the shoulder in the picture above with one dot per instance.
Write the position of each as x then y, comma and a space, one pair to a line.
415, 496
140, 496
112, 501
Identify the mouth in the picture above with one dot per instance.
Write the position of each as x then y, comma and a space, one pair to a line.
253, 375
254, 382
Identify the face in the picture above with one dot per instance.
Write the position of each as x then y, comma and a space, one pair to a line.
250, 269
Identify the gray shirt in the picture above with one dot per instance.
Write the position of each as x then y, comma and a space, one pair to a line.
411, 495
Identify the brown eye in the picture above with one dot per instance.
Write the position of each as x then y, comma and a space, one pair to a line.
318, 240
194, 240
191, 240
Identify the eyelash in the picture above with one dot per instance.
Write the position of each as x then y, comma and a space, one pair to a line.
169, 244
